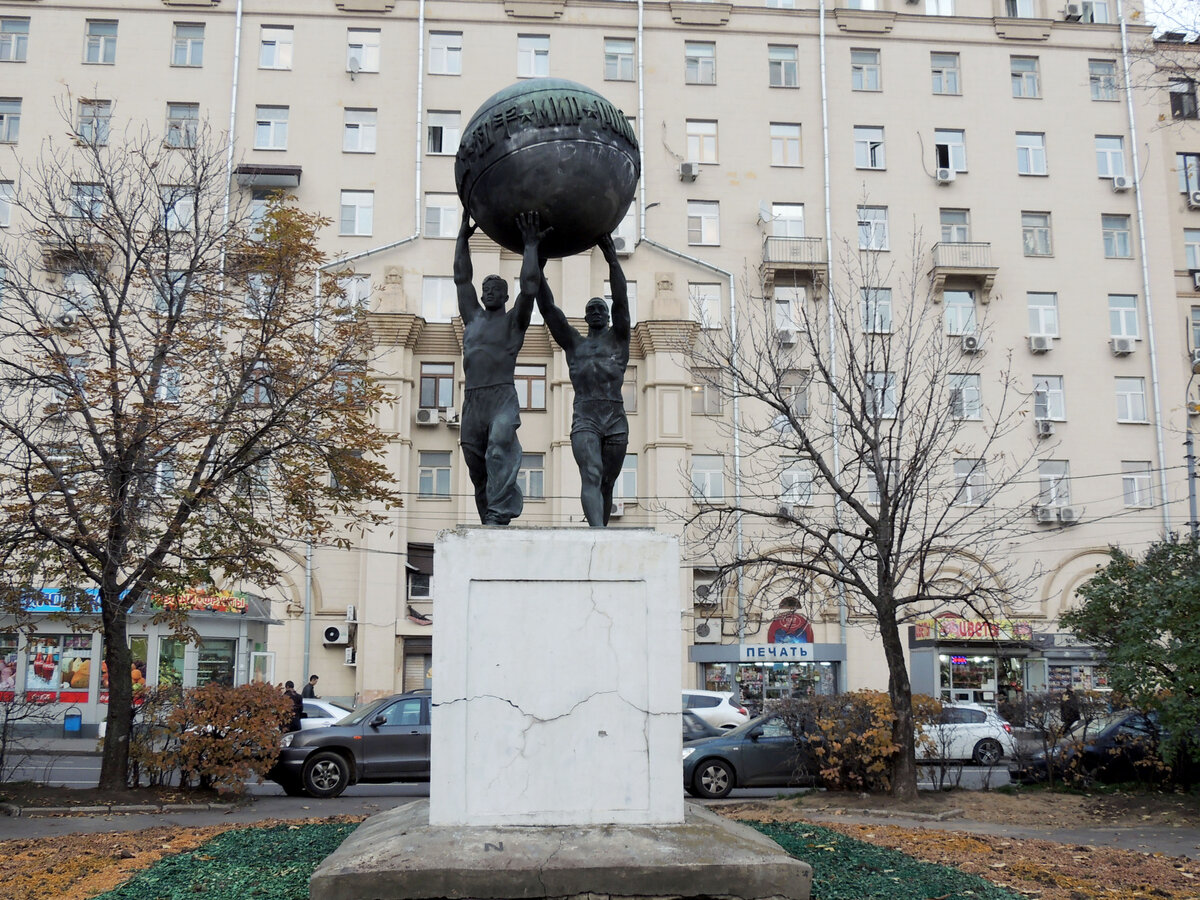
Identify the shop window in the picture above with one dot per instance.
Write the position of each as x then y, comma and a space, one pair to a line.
215, 662
57, 668
170, 661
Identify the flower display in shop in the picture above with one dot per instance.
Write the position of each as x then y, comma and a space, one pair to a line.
202, 599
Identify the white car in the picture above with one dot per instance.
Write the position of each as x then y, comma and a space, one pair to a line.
717, 708
321, 713
968, 731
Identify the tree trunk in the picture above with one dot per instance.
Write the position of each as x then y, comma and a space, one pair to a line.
114, 765
904, 765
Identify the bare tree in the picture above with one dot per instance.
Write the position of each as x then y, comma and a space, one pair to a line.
873, 475
179, 400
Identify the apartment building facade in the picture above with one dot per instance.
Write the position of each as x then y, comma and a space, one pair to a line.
998, 133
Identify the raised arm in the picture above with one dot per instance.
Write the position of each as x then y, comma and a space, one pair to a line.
531, 266
560, 329
620, 293
468, 300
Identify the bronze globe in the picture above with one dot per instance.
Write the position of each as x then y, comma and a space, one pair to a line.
550, 146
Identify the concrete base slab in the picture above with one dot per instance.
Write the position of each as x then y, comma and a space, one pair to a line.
397, 855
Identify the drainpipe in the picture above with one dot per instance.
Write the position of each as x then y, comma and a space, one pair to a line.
233, 106
1151, 343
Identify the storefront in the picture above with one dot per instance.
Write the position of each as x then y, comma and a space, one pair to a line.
64, 669
956, 659
1070, 663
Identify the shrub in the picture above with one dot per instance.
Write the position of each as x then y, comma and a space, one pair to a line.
153, 746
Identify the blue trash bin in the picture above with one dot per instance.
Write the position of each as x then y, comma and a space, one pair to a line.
72, 722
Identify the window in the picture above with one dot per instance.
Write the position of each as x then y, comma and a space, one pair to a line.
100, 43
358, 130
1118, 241
950, 149
1031, 153
95, 117
879, 395
445, 52
1043, 313
625, 487
789, 312
14, 39
164, 477
1035, 233
531, 477
629, 389
183, 123
433, 474
6, 200
966, 396
356, 295
1102, 78
959, 312
1019, 9
437, 386
260, 202
1183, 98
443, 131
701, 140
708, 481
179, 207
439, 298
1195, 322
86, 201
970, 482
1025, 79
1135, 483
10, 119
700, 62
705, 303
275, 47
956, 225
703, 223
796, 484
785, 144
170, 385
864, 70
868, 148
787, 220
876, 306
530, 382
533, 55
890, 467
187, 44
79, 294
1122, 316
618, 59
270, 127
358, 209
1131, 399
362, 49
706, 392
1110, 156
257, 388
945, 70
1054, 483
781, 4
783, 65
1191, 248
1049, 398
872, 228
794, 384
441, 215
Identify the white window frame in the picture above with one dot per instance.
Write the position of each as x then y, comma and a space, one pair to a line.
1191, 247
959, 312
445, 52
869, 152
183, 124
179, 208
970, 482
630, 301
359, 127
439, 298
6, 203
95, 121
1131, 399
708, 478
531, 476
890, 468
356, 294
1137, 484
703, 223
866, 71
1026, 77
1031, 153
1049, 398
271, 127
794, 386
875, 306
796, 484
950, 148
100, 42
362, 44
1036, 236
443, 130
789, 307
358, 213
434, 469
275, 47
783, 65
701, 140
14, 38
1095, 11
955, 225
618, 59
1117, 233
939, 7
79, 293
187, 44
704, 303
700, 62
872, 228
706, 393
966, 395
1019, 9
785, 144
86, 200
879, 396
1102, 79
1054, 483
1123, 316
1043, 313
1110, 155
441, 215
625, 487
10, 119
945, 70
533, 55
787, 220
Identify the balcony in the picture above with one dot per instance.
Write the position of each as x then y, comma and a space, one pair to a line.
802, 257
967, 261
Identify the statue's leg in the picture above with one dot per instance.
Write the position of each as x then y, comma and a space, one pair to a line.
504, 501
473, 453
587, 450
613, 455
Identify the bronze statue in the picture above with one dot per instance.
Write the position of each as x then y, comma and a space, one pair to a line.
492, 337
596, 361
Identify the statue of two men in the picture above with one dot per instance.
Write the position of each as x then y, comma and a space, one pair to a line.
596, 361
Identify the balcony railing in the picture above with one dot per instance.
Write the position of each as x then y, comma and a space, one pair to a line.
802, 252
967, 255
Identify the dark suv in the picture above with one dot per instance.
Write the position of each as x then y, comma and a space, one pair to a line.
386, 740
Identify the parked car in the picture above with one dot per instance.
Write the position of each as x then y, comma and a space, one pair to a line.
1119, 747
761, 753
717, 708
385, 740
695, 727
320, 713
968, 731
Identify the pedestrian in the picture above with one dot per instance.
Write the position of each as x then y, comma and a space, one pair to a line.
310, 689
1069, 708
289, 690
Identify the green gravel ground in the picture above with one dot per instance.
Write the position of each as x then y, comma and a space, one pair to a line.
275, 864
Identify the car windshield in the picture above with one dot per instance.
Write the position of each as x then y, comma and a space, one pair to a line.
1090, 727
340, 709
366, 712
748, 726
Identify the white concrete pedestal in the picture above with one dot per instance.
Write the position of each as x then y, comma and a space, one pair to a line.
556, 667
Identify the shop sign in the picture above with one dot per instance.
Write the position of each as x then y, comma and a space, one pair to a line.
772, 652
52, 600
953, 628
206, 599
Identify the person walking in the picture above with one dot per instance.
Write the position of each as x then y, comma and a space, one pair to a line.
289, 690
310, 689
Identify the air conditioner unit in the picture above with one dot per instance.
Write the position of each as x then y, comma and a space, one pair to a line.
1072, 12
623, 245
945, 175
971, 343
1040, 343
1196, 357
1045, 427
704, 595
783, 513
786, 337
1068, 515
450, 415
688, 171
708, 631
65, 320
1121, 346
351, 613
426, 416
335, 635
351, 657
617, 509
1045, 514
1121, 183
1193, 199
1193, 409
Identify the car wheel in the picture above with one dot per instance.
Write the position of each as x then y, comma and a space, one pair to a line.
987, 752
326, 774
713, 779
